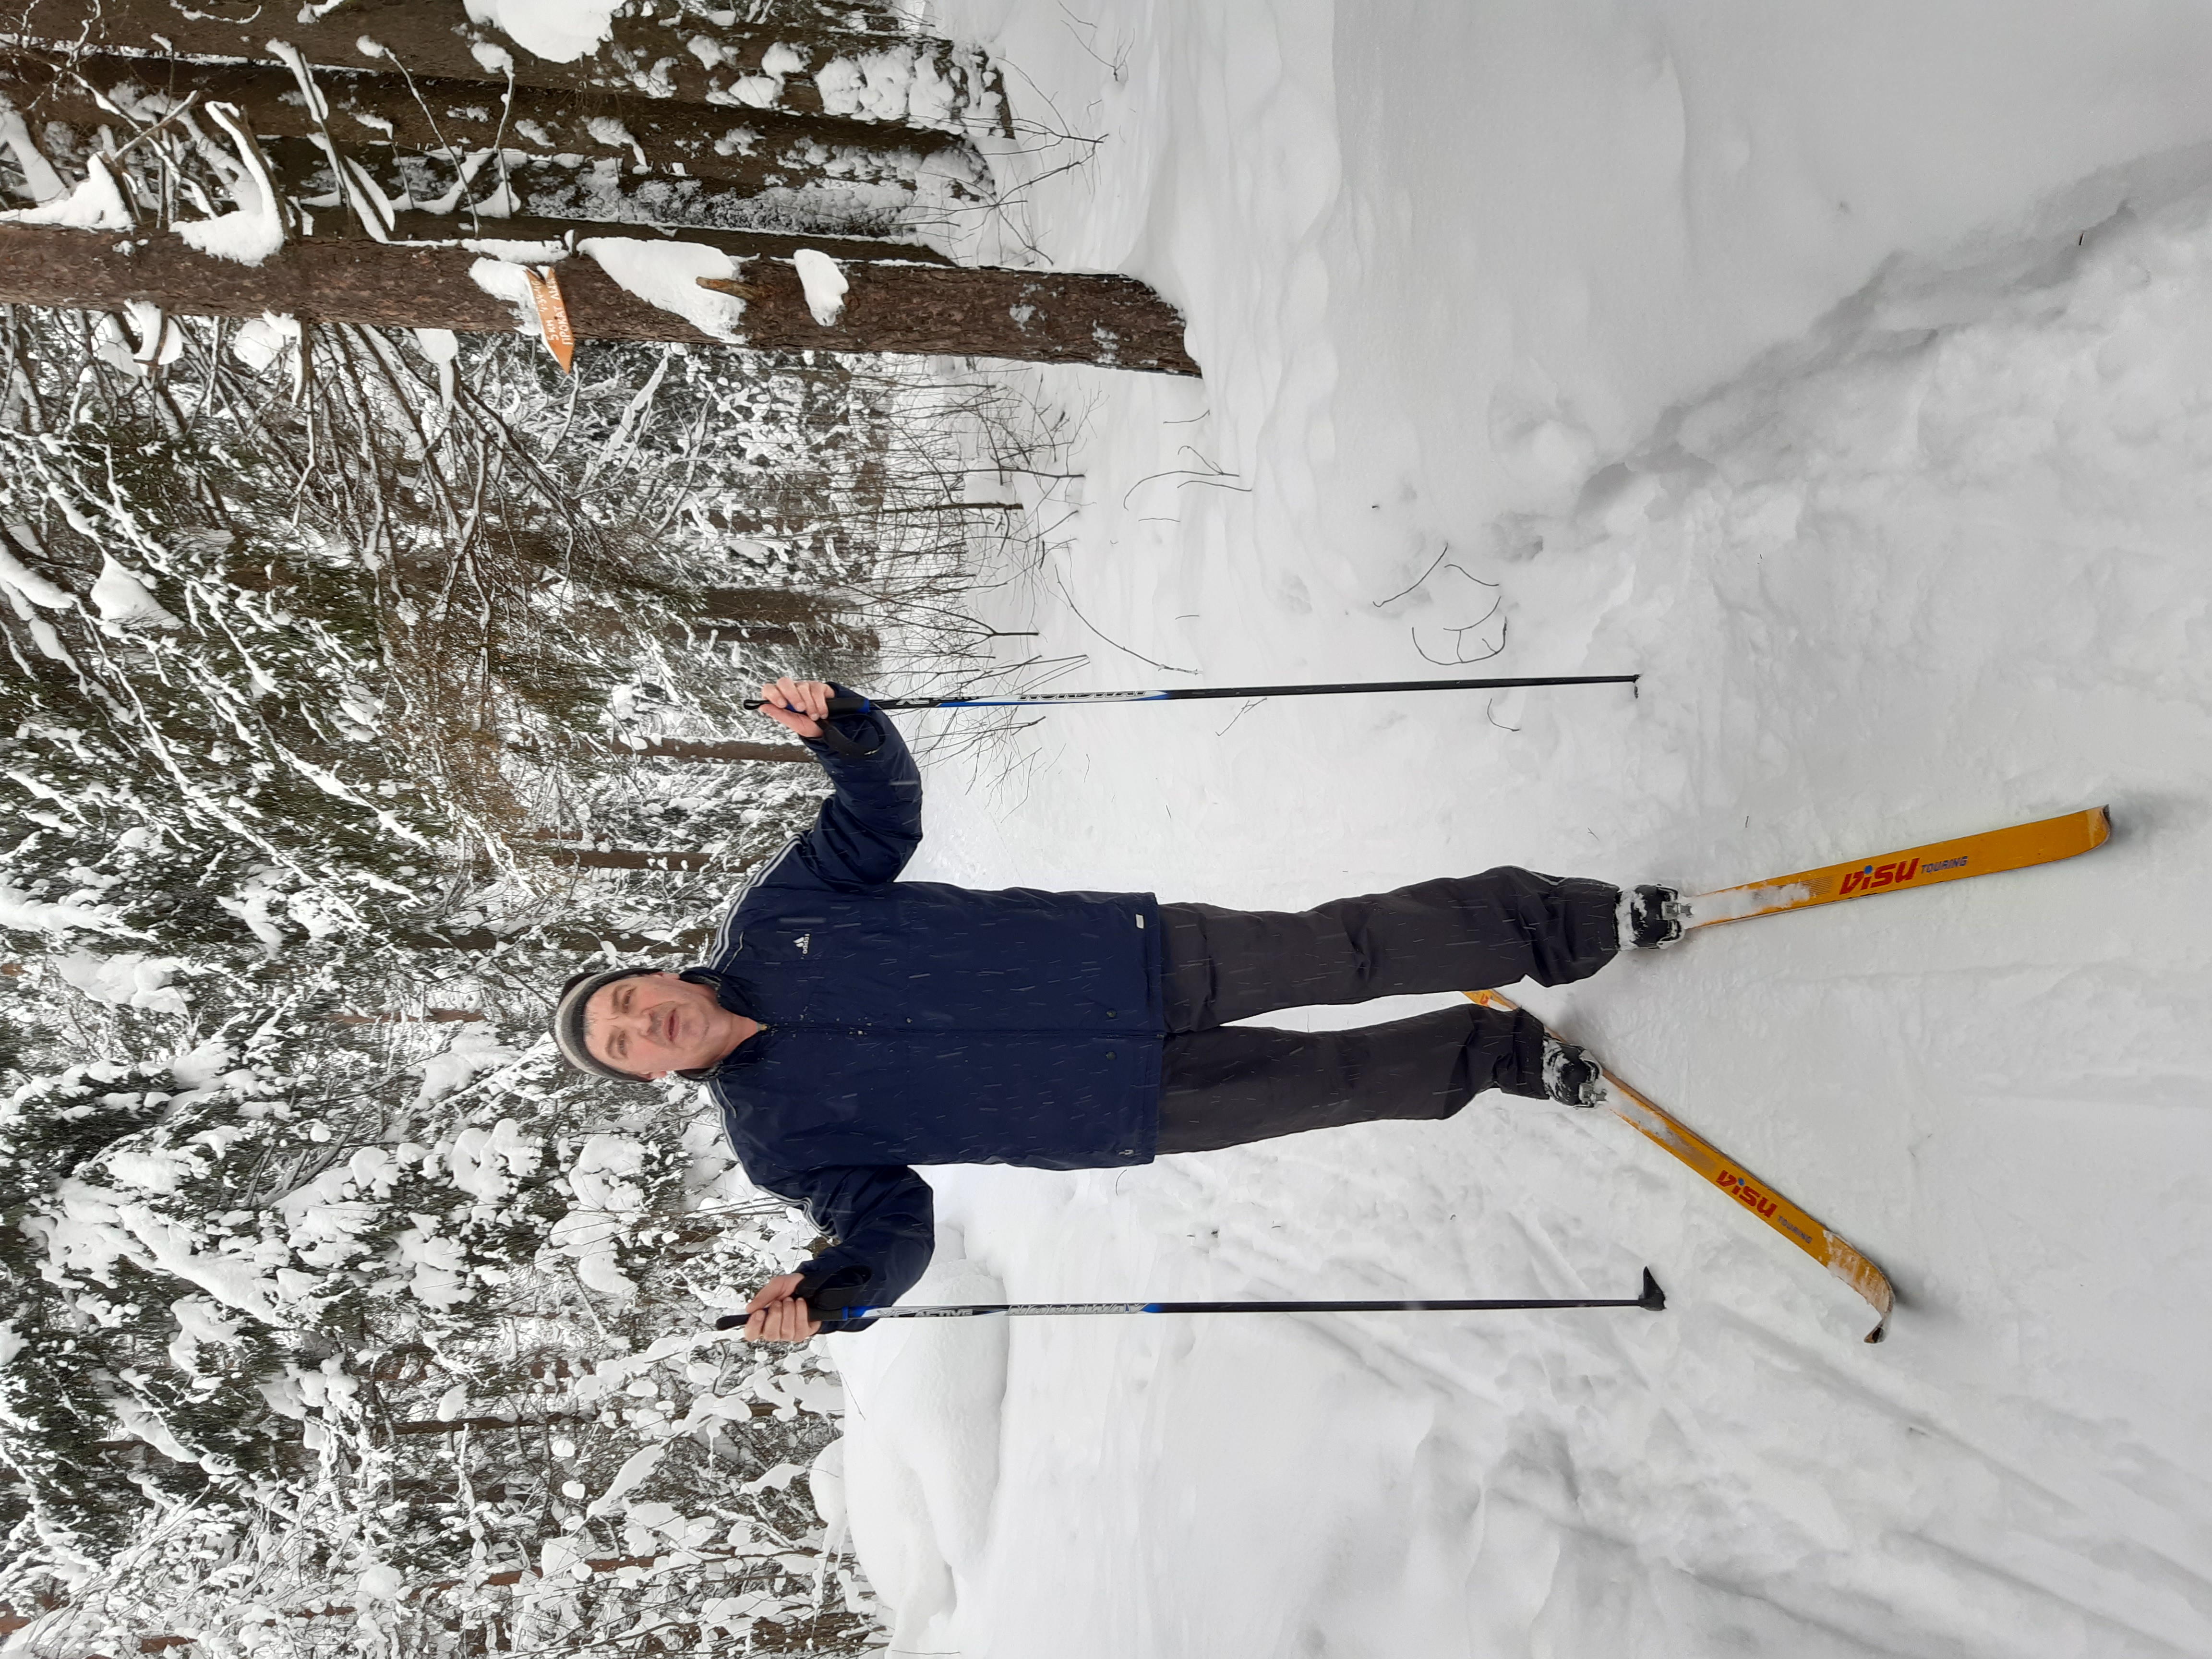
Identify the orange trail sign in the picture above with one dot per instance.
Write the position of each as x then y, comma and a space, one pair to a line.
553, 317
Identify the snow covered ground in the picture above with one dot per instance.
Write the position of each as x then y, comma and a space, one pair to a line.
1843, 370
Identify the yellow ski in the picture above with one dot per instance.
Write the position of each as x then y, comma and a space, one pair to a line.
2012, 848
1833, 1251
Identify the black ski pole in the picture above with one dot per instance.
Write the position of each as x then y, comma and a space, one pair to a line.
1652, 1299
856, 705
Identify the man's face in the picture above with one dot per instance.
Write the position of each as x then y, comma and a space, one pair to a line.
652, 1024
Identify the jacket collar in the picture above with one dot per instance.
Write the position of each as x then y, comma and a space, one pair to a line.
727, 993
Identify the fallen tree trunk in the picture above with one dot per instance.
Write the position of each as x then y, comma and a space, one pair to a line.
437, 228
756, 149
895, 308
650, 53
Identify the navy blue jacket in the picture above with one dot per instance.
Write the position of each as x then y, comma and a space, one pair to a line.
908, 1021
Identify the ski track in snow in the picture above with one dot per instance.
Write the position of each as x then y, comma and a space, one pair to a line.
1846, 377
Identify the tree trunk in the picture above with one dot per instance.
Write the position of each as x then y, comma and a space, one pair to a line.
439, 228
455, 1426
808, 200
791, 606
781, 638
575, 941
753, 149
595, 858
677, 748
782, 617
1031, 316
949, 506
432, 1016
481, 1424
873, 201
652, 55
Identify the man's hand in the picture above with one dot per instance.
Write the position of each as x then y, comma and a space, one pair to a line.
802, 705
775, 1315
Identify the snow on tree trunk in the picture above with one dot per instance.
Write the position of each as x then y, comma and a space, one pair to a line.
680, 749
650, 53
621, 859
932, 310
751, 149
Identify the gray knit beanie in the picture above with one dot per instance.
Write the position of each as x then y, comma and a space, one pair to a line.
568, 1021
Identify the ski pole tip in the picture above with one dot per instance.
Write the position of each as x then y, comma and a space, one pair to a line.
1653, 1299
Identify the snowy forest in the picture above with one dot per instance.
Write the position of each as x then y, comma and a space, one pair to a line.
424, 422
364, 679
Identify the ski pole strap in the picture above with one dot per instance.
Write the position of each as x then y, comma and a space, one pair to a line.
835, 741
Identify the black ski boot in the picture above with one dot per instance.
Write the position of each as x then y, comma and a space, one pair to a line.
1650, 918
1570, 1076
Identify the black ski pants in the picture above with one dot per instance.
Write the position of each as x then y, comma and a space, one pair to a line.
1222, 1087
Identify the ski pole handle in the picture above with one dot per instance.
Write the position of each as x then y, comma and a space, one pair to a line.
845, 702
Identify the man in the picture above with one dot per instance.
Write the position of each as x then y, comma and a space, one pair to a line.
851, 1026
